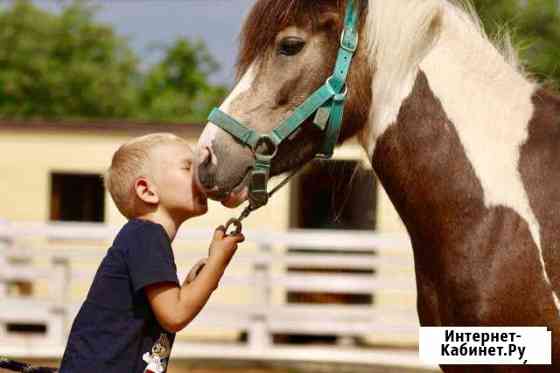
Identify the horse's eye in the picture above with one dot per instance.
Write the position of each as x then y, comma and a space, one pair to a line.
290, 46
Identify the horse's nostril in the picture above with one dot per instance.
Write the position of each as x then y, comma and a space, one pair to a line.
207, 177
206, 169
205, 156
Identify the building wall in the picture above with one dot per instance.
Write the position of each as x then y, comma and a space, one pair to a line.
29, 153
29, 156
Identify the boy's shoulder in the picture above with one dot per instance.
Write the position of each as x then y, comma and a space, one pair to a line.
142, 240
136, 224
139, 230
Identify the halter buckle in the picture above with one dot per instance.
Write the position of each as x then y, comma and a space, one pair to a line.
349, 40
341, 97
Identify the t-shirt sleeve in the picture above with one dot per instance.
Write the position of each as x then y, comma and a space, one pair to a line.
150, 257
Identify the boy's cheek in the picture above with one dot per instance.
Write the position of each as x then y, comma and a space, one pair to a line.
200, 198
200, 204
204, 204
199, 210
204, 210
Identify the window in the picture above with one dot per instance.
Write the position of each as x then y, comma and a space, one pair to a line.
334, 195
77, 197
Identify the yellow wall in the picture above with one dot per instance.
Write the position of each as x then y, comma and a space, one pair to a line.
28, 157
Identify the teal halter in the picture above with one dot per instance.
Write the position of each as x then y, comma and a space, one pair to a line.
327, 103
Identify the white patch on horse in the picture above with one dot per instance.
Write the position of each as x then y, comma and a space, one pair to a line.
483, 91
490, 104
396, 49
210, 131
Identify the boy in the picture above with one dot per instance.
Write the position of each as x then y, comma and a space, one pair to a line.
135, 304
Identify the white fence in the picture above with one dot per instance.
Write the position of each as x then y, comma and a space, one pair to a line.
55, 263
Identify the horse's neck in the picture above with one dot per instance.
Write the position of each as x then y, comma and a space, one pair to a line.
478, 88
485, 97
451, 133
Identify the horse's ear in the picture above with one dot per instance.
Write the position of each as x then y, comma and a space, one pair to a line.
402, 33
428, 32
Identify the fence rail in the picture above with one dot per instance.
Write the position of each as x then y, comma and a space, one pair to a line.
46, 269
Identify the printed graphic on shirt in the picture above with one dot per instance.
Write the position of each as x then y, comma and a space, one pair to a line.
158, 358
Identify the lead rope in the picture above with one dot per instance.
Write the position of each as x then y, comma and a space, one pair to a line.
16, 366
236, 222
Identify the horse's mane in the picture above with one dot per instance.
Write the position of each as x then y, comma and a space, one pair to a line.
502, 41
420, 22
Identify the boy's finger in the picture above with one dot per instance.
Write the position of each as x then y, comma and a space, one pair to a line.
236, 238
220, 232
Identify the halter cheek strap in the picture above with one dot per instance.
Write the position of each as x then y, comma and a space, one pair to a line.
326, 103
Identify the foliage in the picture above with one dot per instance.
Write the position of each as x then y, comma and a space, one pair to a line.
65, 65
178, 86
69, 65
535, 29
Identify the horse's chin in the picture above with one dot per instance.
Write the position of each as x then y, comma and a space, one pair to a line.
236, 197
231, 199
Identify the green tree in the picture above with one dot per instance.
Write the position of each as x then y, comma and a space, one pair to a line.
68, 65
177, 88
535, 29
63, 66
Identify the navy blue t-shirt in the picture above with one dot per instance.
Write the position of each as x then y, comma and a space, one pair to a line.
115, 329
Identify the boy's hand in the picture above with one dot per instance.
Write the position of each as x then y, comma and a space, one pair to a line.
224, 246
195, 270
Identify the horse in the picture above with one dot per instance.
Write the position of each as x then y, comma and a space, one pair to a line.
465, 144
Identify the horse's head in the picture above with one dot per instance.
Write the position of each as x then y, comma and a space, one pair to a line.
288, 50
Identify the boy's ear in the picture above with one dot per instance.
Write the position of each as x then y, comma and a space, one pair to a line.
146, 190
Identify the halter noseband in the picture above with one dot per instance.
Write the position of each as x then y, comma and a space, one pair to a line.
327, 103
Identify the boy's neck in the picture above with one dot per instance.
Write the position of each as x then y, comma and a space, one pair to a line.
170, 225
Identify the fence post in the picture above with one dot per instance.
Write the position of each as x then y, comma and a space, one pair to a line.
259, 335
5, 243
60, 279
59, 292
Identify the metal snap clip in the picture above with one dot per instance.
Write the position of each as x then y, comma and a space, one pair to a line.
235, 223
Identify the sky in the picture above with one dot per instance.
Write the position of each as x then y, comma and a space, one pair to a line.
145, 22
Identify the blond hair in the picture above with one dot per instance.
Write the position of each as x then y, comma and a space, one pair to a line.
129, 163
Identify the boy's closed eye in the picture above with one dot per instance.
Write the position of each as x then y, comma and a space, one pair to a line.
187, 165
